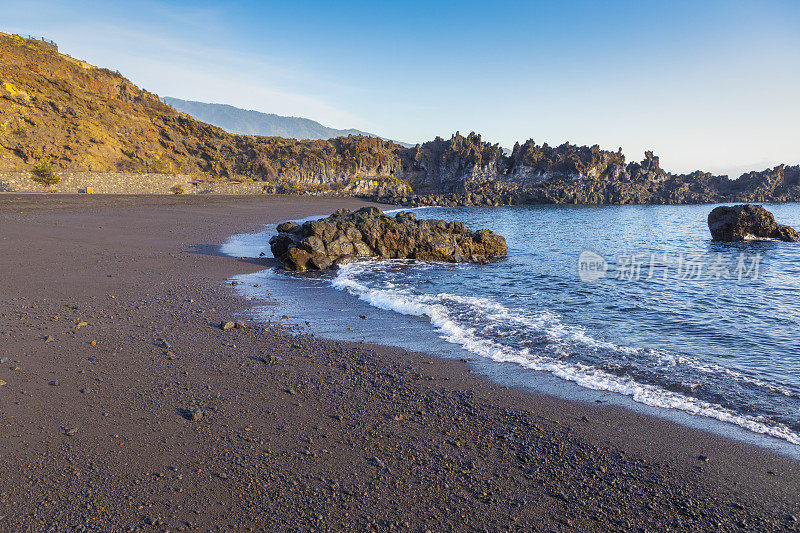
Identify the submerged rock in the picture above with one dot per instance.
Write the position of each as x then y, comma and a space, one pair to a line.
368, 233
747, 222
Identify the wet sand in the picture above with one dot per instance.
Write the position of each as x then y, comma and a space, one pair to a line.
109, 322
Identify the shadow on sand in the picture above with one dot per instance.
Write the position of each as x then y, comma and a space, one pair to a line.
215, 251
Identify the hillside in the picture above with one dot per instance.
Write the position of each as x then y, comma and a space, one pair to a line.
57, 109
247, 122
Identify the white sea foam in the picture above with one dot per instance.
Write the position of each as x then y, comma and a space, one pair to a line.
420, 208
561, 340
249, 245
712, 368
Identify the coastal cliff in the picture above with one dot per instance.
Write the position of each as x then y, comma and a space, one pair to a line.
60, 110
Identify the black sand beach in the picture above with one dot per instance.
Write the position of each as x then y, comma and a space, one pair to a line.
110, 338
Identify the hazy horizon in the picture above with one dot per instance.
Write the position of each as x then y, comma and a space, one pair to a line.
709, 87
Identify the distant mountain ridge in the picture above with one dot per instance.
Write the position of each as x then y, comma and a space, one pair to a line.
248, 122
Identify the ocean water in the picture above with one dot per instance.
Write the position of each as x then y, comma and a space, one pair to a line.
633, 302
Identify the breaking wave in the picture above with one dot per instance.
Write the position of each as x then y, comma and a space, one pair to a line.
541, 341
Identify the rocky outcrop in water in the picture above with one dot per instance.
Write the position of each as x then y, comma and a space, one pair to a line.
747, 222
368, 233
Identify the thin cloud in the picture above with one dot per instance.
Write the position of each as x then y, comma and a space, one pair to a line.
192, 69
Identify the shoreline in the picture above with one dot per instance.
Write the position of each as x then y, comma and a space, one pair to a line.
332, 313
345, 431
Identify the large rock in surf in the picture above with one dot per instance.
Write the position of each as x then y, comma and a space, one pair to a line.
747, 222
369, 233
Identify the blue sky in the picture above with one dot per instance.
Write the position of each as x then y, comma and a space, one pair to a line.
710, 85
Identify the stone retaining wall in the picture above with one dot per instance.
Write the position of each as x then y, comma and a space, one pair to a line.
126, 183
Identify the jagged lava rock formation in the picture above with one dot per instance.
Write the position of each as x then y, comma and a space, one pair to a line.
469, 171
369, 233
747, 222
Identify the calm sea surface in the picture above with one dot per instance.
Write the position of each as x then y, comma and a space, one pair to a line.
628, 300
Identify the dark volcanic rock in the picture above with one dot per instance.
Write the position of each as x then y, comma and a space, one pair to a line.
368, 233
746, 222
